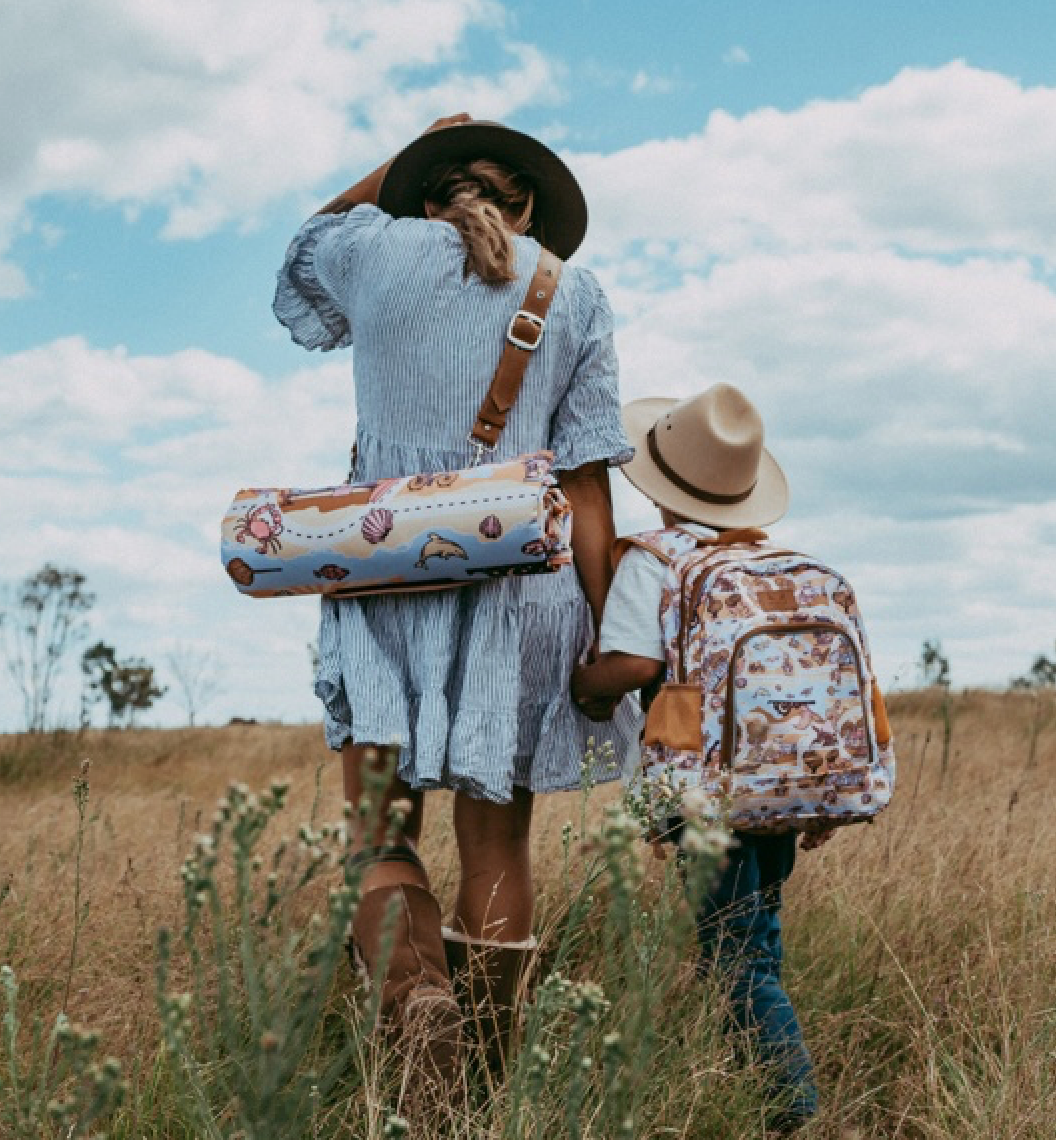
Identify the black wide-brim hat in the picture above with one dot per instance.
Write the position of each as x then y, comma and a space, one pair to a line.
559, 215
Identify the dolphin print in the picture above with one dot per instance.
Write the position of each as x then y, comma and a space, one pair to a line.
439, 547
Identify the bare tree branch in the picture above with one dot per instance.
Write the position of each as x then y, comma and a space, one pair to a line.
43, 621
197, 678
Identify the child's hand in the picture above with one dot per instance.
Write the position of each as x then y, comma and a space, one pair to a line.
594, 708
815, 839
597, 710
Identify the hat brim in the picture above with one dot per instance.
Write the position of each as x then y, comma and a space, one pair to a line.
559, 216
766, 504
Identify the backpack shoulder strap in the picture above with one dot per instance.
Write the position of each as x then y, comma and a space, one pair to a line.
665, 545
735, 536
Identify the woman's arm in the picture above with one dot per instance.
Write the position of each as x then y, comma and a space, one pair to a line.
593, 531
365, 191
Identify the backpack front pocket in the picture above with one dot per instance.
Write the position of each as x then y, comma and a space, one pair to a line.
796, 740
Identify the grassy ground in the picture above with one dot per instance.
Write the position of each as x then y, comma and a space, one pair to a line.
922, 950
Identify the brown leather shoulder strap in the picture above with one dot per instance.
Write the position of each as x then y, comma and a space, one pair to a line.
523, 336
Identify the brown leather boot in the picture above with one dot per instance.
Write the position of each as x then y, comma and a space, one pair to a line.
490, 979
417, 1005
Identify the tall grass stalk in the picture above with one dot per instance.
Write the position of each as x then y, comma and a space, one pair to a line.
81, 791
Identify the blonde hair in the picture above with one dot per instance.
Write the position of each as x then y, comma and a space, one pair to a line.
484, 201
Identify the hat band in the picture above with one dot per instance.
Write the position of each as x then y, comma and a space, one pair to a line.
683, 485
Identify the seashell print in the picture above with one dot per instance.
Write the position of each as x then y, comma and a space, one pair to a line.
382, 489
376, 525
537, 547
491, 527
331, 572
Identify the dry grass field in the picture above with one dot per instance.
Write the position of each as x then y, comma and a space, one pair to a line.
922, 950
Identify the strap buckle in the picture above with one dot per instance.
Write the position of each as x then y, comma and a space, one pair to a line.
480, 449
532, 319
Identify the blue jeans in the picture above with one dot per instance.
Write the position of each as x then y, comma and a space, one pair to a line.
739, 930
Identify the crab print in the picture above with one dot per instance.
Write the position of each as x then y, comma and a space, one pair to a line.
261, 525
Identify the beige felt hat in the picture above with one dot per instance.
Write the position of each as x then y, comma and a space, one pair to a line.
704, 459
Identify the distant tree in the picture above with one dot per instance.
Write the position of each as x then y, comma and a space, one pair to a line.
141, 687
127, 686
934, 664
197, 678
42, 621
99, 666
1042, 675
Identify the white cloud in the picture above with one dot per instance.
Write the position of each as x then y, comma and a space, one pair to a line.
645, 83
122, 467
213, 109
736, 56
932, 163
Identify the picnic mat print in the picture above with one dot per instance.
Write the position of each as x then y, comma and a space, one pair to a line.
419, 532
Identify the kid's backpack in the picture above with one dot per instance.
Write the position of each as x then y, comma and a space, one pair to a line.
769, 708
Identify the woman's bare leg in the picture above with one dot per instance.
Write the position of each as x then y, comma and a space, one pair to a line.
495, 892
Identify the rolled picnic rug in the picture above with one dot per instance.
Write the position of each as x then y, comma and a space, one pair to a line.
420, 532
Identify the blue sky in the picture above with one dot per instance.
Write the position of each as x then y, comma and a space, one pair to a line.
845, 208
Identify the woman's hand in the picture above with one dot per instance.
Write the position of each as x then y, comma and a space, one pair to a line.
449, 121
366, 189
593, 707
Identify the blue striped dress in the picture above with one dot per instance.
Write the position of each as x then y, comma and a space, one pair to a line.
472, 683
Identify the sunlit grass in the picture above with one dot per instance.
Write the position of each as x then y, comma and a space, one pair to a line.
921, 951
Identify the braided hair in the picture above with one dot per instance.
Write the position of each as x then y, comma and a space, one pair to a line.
485, 201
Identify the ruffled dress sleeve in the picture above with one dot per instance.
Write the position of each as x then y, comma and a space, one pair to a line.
586, 426
314, 291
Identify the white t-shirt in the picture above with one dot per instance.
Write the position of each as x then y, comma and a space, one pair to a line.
631, 621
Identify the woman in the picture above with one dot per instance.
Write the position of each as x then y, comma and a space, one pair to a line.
462, 689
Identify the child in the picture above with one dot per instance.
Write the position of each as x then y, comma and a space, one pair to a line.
703, 463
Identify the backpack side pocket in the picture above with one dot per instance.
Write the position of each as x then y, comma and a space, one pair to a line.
675, 719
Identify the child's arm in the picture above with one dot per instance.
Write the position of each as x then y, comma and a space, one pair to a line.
598, 685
